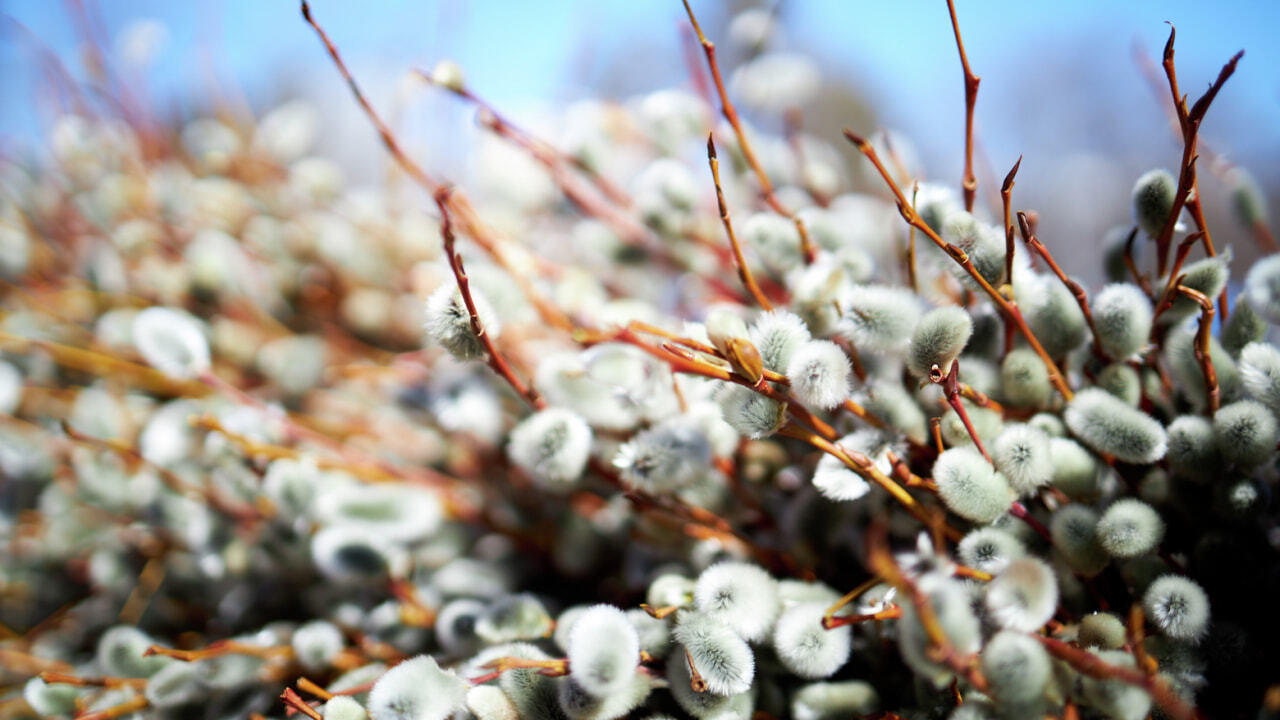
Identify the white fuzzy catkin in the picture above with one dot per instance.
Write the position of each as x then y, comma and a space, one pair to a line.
171, 341
1024, 596
176, 684
487, 702
552, 445
448, 322
1102, 630
741, 595
819, 373
1024, 380
805, 647
417, 689
1075, 469
938, 339
1052, 313
749, 412
704, 705
1016, 665
880, 318
1243, 327
1122, 316
950, 602
1123, 381
1073, 530
777, 334
1178, 606
455, 625
1153, 196
1188, 375
514, 617
50, 700
834, 700
1129, 528
1262, 288
120, 653
1113, 698
970, 487
1245, 433
316, 643
1108, 425
603, 651
989, 549
346, 553
1260, 374
1021, 454
720, 655
664, 458
1209, 276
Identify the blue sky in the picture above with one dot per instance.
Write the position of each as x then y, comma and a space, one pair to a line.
520, 52
526, 55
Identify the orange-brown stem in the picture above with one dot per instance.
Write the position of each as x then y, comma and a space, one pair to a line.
744, 272
1202, 346
1008, 309
494, 358
731, 114
969, 182
1089, 664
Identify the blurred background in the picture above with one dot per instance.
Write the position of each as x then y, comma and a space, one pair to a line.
1061, 84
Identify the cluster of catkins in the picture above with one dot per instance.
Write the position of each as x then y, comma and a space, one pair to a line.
253, 444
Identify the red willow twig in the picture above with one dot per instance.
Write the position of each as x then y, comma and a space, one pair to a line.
950, 384
731, 114
493, 357
881, 561
969, 181
556, 161
1006, 200
1189, 123
1009, 310
461, 208
1165, 301
1202, 346
1077, 291
1089, 664
744, 272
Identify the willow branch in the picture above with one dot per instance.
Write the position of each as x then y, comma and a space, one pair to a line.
1202, 345
1009, 310
1077, 291
969, 181
1189, 123
731, 114
1090, 664
744, 272
1006, 200
493, 357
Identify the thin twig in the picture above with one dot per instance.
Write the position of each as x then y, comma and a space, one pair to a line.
731, 114
744, 272
1090, 664
1202, 345
969, 181
493, 357
1189, 123
863, 466
1006, 200
1010, 310
1077, 291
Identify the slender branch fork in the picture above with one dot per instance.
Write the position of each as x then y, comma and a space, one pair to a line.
969, 182
731, 114
1009, 310
494, 358
1189, 122
744, 272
